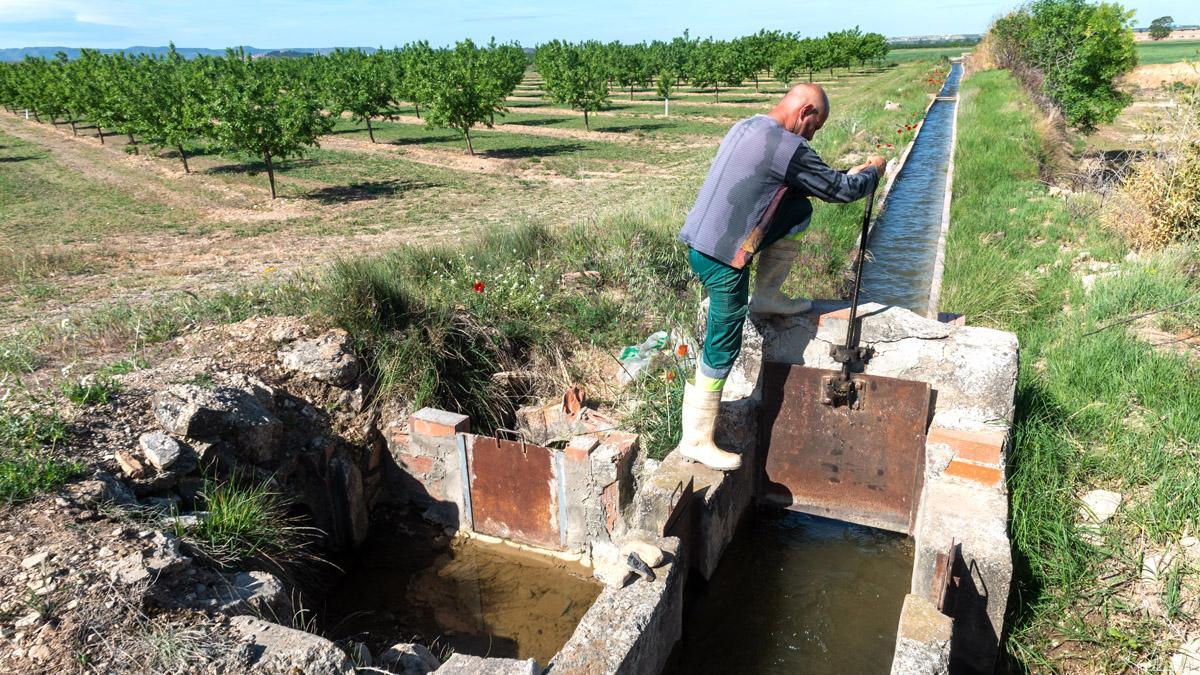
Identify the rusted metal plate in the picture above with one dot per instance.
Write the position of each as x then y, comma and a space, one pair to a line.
865, 466
945, 582
514, 493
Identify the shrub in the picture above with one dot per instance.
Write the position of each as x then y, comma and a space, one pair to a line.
1069, 53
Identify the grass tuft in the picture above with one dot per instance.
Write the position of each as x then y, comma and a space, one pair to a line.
247, 522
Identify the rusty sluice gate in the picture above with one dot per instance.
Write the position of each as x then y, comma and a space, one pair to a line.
864, 465
514, 490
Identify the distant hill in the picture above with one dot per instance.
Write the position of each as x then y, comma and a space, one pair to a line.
18, 53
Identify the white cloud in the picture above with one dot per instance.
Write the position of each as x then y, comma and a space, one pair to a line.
80, 11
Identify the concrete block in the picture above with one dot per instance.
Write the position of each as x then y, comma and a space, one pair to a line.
977, 518
630, 630
462, 664
922, 639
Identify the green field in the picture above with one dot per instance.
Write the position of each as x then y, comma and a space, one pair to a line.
1168, 51
924, 54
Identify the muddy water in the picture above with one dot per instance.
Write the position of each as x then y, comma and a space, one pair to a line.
903, 245
410, 584
799, 594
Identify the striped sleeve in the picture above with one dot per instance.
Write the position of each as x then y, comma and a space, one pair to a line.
807, 172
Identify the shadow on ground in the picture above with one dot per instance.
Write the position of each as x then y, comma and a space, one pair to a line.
366, 191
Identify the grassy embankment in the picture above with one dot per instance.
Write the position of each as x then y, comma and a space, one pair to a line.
1094, 409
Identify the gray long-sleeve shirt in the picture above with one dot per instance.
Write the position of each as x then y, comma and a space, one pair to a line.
760, 179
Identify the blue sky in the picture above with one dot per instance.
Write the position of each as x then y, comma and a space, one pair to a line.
312, 23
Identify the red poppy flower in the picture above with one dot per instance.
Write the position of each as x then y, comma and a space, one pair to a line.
670, 376
889, 145
899, 131
681, 350
878, 145
478, 286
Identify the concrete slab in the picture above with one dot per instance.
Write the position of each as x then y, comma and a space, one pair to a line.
462, 664
922, 639
630, 630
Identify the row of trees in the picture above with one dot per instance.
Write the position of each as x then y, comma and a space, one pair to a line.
583, 75
1069, 54
267, 108
274, 108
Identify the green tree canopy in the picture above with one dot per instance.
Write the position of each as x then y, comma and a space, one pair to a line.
259, 113
1161, 27
574, 75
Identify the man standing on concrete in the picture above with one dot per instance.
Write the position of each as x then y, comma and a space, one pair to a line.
755, 201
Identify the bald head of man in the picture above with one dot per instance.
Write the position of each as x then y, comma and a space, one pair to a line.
803, 110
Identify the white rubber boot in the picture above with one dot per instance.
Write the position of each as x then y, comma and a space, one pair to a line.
699, 421
774, 263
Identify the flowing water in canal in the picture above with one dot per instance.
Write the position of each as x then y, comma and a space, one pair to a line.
903, 244
799, 594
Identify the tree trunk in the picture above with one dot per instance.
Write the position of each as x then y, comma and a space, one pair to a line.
831, 71
810, 74
418, 108
370, 131
491, 118
756, 83
470, 149
183, 156
585, 120
270, 172
74, 131
717, 93
133, 143
35, 116
100, 133
631, 93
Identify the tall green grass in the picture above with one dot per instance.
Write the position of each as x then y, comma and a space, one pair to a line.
1094, 409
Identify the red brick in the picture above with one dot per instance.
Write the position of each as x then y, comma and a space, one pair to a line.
843, 314
977, 446
438, 423
976, 473
415, 464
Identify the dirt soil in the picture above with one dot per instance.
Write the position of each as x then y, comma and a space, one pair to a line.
1159, 74
65, 605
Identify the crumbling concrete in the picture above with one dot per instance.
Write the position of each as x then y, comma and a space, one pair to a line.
922, 640
462, 664
630, 630
278, 649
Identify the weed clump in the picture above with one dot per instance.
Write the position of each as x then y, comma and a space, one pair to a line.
1159, 202
28, 465
247, 521
439, 325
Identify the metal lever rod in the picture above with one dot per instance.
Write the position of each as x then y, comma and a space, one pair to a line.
862, 252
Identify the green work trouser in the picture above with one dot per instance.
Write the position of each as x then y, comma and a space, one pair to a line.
728, 299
